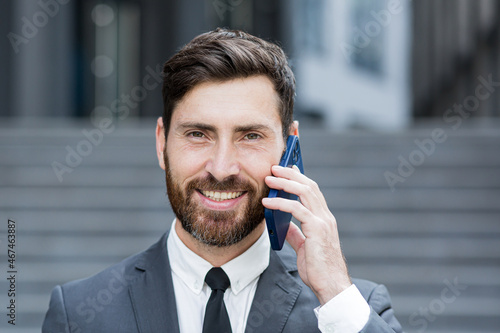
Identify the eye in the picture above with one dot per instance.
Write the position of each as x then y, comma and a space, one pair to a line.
196, 134
252, 136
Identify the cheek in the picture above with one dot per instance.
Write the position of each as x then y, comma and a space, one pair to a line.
258, 166
183, 163
185, 167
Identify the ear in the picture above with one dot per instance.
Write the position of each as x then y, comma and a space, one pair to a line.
160, 142
294, 128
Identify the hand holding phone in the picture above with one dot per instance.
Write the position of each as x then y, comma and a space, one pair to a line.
276, 220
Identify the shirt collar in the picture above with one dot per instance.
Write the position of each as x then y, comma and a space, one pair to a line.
242, 270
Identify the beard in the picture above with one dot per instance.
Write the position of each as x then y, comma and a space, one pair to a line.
212, 227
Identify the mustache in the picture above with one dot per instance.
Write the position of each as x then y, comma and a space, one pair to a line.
231, 183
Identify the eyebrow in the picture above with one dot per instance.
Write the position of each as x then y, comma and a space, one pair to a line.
253, 127
196, 125
242, 128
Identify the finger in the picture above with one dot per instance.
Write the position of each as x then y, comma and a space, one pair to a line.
308, 196
289, 173
293, 207
294, 174
295, 237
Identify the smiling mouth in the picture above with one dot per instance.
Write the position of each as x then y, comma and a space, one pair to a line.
221, 196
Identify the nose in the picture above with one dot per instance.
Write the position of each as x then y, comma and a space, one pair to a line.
224, 161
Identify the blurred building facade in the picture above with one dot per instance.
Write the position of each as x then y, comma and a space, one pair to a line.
353, 61
456, 44
359, 63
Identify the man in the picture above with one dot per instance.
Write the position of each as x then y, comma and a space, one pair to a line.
228, 101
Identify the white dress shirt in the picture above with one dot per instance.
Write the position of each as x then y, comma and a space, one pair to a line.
347, 312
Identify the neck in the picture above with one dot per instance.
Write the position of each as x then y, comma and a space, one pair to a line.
218, 256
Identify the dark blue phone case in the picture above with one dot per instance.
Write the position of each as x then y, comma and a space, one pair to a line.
276, 220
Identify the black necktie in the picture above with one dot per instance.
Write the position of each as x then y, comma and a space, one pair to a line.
216, 318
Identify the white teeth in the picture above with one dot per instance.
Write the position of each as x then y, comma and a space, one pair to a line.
221, 196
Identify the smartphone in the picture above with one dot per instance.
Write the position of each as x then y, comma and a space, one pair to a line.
276, 220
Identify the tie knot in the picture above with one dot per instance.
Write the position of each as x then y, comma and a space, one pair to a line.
217, 279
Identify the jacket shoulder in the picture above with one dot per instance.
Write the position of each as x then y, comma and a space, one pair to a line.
120, 273
101, 303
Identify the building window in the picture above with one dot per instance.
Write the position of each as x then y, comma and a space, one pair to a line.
312, 29
368, 34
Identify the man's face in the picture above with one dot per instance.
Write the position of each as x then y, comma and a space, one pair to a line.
222, 141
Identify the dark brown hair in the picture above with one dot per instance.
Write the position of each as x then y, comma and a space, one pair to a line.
222, 55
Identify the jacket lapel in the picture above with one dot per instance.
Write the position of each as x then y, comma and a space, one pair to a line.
152, 292
276, 294
153, 299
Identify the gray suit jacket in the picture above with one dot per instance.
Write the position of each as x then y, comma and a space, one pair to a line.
137, 295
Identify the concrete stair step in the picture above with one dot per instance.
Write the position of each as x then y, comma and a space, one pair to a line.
132, 198
441, 223
343, 177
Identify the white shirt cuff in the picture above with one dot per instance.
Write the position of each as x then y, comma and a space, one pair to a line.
347, 312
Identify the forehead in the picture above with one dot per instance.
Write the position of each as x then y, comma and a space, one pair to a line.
237, 101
